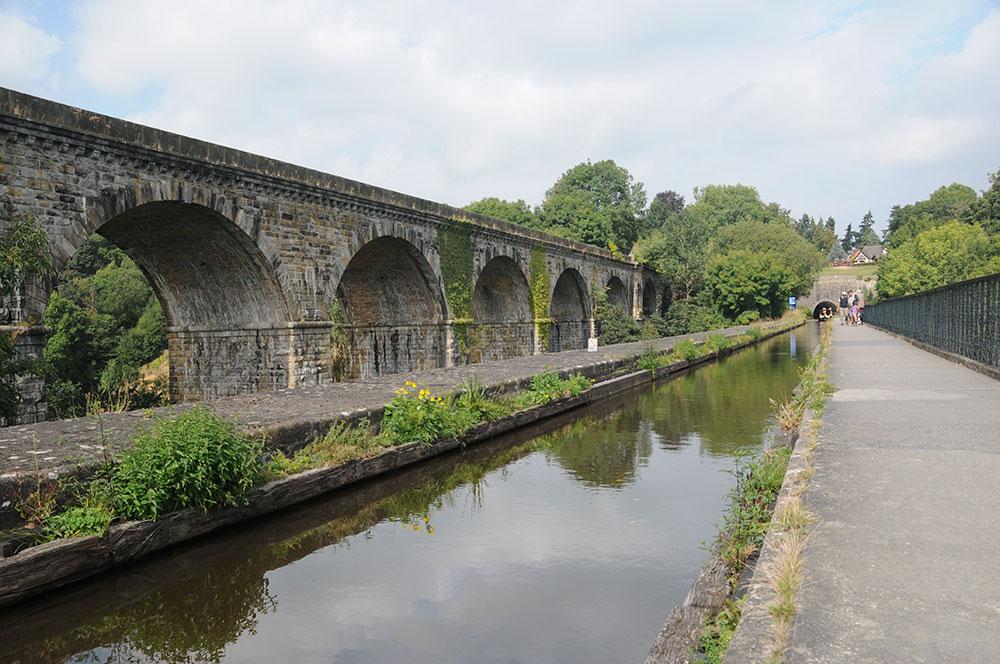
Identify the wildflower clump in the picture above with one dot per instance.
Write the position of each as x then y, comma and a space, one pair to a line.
417, 415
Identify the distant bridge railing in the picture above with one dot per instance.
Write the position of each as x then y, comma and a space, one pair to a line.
961, 318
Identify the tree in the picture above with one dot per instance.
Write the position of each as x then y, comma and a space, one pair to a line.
946, 204
748, 285
847, 243
825, 239
665, 206
677, 250
986, 210
516, 212
23, 253
721, 205
866, 225
941, 255
612, 192
867, 238
790, 250
836, 253
577, 218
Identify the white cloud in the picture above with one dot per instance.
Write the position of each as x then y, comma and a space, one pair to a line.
25, 54
454, 102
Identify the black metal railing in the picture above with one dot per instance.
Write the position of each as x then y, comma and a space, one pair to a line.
961, 318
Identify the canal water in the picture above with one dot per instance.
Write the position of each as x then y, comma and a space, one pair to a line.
568, 542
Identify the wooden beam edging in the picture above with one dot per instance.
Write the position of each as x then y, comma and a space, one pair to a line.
39, 569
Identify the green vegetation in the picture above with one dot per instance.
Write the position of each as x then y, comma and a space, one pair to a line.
941, 255
455, 247
718, 632
196, 459
758, 481
24, 252
540, 297
106, 324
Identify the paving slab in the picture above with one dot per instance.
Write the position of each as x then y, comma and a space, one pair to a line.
903, 565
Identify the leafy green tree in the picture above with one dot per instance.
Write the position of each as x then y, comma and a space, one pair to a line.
824, 239
106, 323
847, 243
23, 253
868, 238
789, 249
946, 204
836, 253
612, 191
722, 205
577, 218
941, 255
665, 207
986, 210
748, 285
516, 212
678, 250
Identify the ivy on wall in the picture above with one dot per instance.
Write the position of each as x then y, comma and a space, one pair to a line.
539, 271
455, 245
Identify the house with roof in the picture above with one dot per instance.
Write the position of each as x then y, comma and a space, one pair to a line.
867, 254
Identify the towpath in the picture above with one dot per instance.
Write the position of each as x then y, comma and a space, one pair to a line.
903, 565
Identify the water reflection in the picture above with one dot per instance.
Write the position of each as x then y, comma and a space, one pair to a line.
568, 542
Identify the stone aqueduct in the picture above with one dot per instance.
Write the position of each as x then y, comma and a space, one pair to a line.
256, 261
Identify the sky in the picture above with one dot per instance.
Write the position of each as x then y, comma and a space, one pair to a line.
830, 108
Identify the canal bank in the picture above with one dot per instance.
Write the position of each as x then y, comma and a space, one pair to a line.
41, 568
574, 552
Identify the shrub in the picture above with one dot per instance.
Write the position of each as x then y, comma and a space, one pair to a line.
196, 459
686, 349
650, 359
718, 342
753, 332
422, 417
342, 443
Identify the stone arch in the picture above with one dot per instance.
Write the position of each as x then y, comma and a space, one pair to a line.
648, 298
226, 311
502, 322
617, 295
569, 309
392, 308
665, 301
818, 309
207, 273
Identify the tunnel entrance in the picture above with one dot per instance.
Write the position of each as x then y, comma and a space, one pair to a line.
824, 310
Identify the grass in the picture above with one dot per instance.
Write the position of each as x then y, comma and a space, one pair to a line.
856, 271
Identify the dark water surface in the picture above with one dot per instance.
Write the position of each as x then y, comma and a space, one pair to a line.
569, 542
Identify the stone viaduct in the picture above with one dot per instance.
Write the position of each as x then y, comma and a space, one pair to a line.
273, 276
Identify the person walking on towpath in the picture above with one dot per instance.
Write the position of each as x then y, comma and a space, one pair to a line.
845, 312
